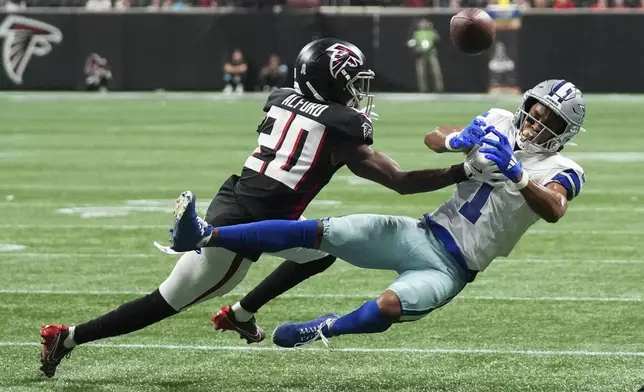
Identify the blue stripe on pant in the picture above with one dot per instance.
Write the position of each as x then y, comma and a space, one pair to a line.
429, 277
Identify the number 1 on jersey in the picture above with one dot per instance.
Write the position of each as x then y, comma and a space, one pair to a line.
471, 210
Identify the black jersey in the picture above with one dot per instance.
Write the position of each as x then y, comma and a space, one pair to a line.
293, 160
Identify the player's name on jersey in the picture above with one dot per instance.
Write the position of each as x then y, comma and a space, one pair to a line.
300, 103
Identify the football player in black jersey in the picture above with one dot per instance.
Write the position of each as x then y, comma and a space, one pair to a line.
308, 133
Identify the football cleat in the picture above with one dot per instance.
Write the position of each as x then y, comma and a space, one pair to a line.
224, 320
53, 350
189, 231
292, 335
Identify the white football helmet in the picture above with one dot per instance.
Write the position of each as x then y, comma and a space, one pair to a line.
565, 100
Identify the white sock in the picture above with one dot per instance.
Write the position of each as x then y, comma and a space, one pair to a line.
69, 340
241, 314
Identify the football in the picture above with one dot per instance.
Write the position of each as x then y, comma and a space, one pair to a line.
472, 31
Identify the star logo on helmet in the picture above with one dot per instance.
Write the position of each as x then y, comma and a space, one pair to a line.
342, 57
24, 38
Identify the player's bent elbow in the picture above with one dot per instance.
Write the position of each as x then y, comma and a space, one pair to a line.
553, 216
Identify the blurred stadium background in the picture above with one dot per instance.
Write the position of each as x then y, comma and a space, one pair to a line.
87, 180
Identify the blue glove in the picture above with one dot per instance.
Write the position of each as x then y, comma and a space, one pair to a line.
469, 136
502, 154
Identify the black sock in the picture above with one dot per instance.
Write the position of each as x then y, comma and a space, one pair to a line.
288, 275
129, 317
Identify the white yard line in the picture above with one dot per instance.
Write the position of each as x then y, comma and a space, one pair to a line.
337, 296
365, 350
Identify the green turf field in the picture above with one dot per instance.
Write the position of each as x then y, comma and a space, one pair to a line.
92, 182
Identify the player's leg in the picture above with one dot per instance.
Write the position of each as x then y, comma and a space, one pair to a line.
351, 233
195, 278
436, 72
288, 275
429, 276
412, 296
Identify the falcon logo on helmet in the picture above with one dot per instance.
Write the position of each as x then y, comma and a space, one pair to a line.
341, 57
24, 38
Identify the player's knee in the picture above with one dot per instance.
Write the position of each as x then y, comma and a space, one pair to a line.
389, 305
319, 233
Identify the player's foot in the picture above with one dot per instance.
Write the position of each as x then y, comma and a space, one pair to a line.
224, 320
298, 334
189, 231
53, 350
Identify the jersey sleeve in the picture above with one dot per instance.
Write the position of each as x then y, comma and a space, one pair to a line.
572, 179
350, 124
496, 117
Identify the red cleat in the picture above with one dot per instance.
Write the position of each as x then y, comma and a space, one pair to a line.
224, 320
53, 350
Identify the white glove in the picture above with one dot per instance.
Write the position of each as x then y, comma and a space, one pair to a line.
481, 169
373, 116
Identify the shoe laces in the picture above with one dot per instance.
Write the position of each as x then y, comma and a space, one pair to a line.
318, 334
202, 225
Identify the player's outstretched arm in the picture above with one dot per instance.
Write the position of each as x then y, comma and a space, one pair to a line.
378, 167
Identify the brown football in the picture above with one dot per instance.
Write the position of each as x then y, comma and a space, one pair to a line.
472, 31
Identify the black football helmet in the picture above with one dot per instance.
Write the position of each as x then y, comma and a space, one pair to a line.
330, 69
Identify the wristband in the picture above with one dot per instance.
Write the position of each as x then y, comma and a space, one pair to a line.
448, 138
525, 179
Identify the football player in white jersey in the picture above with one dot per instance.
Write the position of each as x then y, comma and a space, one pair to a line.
519, 178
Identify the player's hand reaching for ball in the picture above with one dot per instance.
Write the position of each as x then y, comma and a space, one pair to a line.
502, 153
468, 137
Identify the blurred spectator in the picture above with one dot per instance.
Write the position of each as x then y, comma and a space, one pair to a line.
122, 5
97, 73
273, 74
541, 3
98, 5
177, 5
11, 6
235, 72
599, 5
563, 4
303, 3
208, 3
423, 42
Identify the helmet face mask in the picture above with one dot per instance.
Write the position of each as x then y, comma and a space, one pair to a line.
541, 129
550, 115
360, 88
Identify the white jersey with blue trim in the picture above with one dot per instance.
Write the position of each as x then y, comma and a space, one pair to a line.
487, 222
